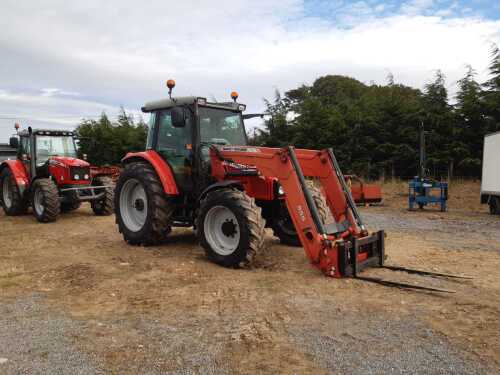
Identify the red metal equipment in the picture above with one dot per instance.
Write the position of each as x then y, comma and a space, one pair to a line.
339, 248
361, 192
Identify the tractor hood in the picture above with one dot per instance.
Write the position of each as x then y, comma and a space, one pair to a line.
68, 161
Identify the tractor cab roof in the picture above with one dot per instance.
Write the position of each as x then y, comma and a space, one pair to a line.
49, 132
187, 100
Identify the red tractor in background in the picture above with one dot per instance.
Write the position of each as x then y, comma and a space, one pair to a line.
198, 171
48, 176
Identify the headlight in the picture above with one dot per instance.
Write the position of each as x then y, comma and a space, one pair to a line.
281, 191
86, 177
76, 177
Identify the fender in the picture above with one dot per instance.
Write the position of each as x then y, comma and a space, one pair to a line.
19, 171
220, 185
163, 170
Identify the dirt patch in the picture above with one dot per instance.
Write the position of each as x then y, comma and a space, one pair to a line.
166, 309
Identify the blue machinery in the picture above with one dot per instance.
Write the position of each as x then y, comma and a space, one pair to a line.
423, 190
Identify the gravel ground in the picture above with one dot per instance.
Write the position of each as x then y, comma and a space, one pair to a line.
95, 305
36, 341
434, 227
363, 348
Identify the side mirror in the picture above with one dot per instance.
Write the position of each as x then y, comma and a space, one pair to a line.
178, 116
14, 142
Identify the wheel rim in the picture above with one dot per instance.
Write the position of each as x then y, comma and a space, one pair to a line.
6, 192
38, 202
133, 205
222, 230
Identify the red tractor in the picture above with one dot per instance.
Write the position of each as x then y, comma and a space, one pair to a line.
198, 171
48, 176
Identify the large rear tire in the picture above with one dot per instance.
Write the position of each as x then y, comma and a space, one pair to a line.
10, 198
230, 228
106, 205
45, 200
283, 226
142, 209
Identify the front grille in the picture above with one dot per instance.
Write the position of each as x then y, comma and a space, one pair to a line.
80, 172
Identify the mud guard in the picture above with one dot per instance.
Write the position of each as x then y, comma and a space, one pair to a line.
163, 170
220, 185
19, 171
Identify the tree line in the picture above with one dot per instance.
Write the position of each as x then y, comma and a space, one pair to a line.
374, 129
106, 142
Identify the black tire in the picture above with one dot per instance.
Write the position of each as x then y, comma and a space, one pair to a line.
106, 205
45, 190
159, 210
250, 225
495, 206
72, 203
283, 226
17, 205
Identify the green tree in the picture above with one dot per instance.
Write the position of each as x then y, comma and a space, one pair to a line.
467, 147
106, 143
491, 94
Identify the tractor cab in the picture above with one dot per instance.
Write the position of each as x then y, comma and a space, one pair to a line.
38, 149
182, 130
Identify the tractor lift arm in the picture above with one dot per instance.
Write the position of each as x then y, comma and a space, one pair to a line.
342, 248
328, 246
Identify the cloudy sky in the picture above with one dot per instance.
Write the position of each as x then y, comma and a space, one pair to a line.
64, 60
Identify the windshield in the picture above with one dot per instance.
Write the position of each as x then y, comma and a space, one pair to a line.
221, 126
47, 146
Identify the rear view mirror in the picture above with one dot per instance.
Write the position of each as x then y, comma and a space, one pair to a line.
178, 116
14, 142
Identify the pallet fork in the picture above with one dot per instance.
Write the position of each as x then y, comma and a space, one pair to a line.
340, 248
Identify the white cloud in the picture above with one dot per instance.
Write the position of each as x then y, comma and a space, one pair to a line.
62, 59
414, 7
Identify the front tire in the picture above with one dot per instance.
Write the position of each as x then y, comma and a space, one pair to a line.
72, 203
106, 205
230, 228
10, 198
45, 200
142, 209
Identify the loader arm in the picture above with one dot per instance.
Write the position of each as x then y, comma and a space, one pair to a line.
340, 248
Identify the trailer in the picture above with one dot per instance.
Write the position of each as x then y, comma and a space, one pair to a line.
490, 183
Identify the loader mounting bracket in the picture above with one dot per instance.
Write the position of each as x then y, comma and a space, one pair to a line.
360, 253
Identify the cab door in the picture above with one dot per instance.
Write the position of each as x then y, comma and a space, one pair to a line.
24, 154
174, 145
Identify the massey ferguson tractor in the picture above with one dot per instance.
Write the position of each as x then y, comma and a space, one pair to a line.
48, 176
198, 171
